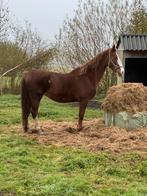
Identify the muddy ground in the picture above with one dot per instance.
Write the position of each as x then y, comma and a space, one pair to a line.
94, 137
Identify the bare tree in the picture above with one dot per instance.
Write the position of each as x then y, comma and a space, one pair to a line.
95, 27
4, 28
25, 50
4, 21
138, 21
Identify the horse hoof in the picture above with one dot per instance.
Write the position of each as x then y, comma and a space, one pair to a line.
25, 130
79, 128
35, 131
71, 130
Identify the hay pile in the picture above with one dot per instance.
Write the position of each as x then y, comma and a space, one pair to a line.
129, 97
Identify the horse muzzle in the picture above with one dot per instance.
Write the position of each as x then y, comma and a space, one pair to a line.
120, 71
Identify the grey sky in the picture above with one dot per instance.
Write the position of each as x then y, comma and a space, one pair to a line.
46, 16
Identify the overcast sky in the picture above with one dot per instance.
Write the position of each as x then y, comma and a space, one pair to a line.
46, 16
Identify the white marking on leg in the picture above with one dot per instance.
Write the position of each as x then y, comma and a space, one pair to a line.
37, 123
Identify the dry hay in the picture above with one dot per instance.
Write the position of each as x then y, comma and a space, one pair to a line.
94, 137
129, 97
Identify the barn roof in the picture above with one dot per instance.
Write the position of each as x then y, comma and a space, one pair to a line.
133, 42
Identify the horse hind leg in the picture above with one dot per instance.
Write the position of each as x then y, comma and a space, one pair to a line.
26, 105
35, 100
25, 119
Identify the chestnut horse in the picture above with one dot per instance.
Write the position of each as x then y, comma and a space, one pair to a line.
78, 85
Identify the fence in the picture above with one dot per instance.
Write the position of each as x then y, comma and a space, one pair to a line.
10, 85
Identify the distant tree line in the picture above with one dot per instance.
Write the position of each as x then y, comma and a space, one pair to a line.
20, 47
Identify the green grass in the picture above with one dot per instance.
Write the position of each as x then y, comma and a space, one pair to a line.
10, 110
29, 168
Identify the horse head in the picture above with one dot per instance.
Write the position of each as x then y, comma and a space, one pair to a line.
114, 62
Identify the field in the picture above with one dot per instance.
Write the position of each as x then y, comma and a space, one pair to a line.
32, 165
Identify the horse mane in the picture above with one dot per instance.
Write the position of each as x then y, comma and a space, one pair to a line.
91, 64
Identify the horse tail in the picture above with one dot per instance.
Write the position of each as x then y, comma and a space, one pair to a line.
25, 104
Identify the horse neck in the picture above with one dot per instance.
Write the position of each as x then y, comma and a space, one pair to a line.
98, 66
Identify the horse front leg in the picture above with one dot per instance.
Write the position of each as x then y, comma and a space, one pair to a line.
82, 108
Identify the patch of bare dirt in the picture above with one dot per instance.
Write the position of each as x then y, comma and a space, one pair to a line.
95, 136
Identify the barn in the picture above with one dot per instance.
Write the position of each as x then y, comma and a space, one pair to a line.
132, 50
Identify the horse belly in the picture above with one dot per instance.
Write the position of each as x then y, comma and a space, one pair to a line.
60, 98
62, 95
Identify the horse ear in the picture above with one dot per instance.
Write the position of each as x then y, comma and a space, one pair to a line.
113, 48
